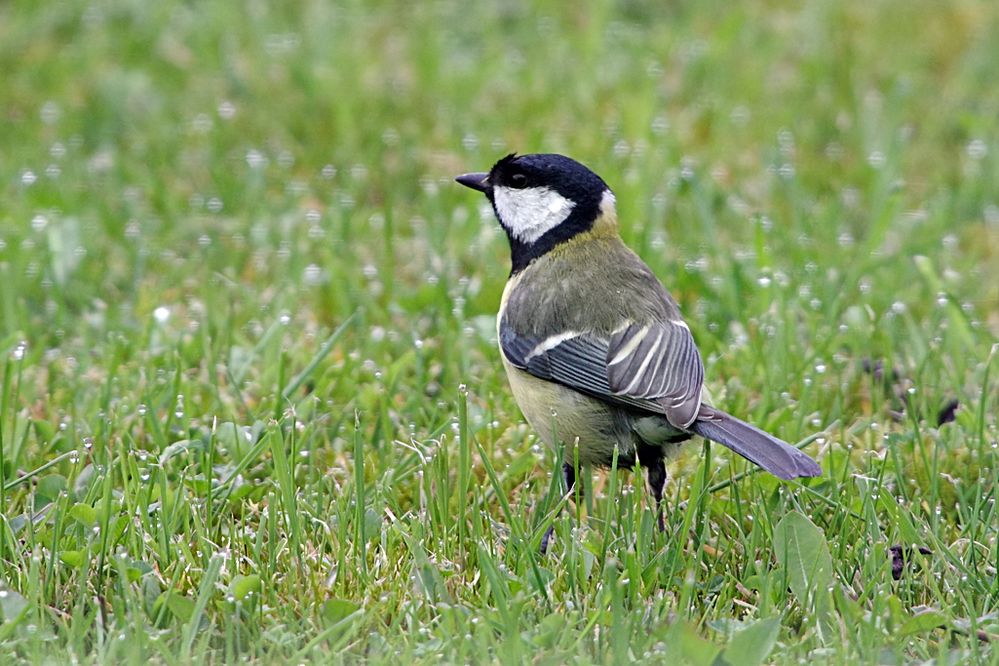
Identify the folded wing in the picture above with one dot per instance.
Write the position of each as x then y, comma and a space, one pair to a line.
654, 368
658, 362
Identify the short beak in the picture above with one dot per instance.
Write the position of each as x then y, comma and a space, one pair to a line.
476, 181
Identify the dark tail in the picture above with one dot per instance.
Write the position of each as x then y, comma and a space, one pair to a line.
777, 457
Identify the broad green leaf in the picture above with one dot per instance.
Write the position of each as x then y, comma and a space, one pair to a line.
200, 487
235, 439
73, 558
17, 523
802, 551
50, 486
84, 513
686, 646
245, 490
334, 610
180, 605
548, 630
179, 447
12, 604
927, 620
243, 586
44, 430
753, 643
136, 569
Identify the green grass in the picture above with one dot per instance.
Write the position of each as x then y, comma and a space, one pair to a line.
250, 402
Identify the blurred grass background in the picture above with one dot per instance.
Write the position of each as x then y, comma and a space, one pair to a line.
200, 463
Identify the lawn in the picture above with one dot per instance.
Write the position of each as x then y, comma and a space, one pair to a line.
251, 406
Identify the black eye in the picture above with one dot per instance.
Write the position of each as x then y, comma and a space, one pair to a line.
518, 181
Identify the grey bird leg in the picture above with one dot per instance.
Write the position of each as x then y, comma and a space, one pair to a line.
656, 475
569, 474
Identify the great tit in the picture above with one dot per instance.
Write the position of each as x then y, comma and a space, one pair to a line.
595, 349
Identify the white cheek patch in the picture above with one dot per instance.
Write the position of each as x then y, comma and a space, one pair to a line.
608, 204
530, 213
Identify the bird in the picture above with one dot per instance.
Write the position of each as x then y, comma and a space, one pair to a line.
596, 351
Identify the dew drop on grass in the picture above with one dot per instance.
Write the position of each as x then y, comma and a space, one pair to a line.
312, 275
161, 314
201, 123
226, 110
19, 350
977, 149
255, 159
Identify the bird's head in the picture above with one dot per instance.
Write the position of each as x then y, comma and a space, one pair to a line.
542, 200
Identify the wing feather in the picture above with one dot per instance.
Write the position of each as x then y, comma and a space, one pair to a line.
579, 363
653, 367
674, 378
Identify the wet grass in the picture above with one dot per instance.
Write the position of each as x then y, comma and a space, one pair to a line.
251, 406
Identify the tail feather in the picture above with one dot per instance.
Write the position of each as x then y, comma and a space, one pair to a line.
777, 457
